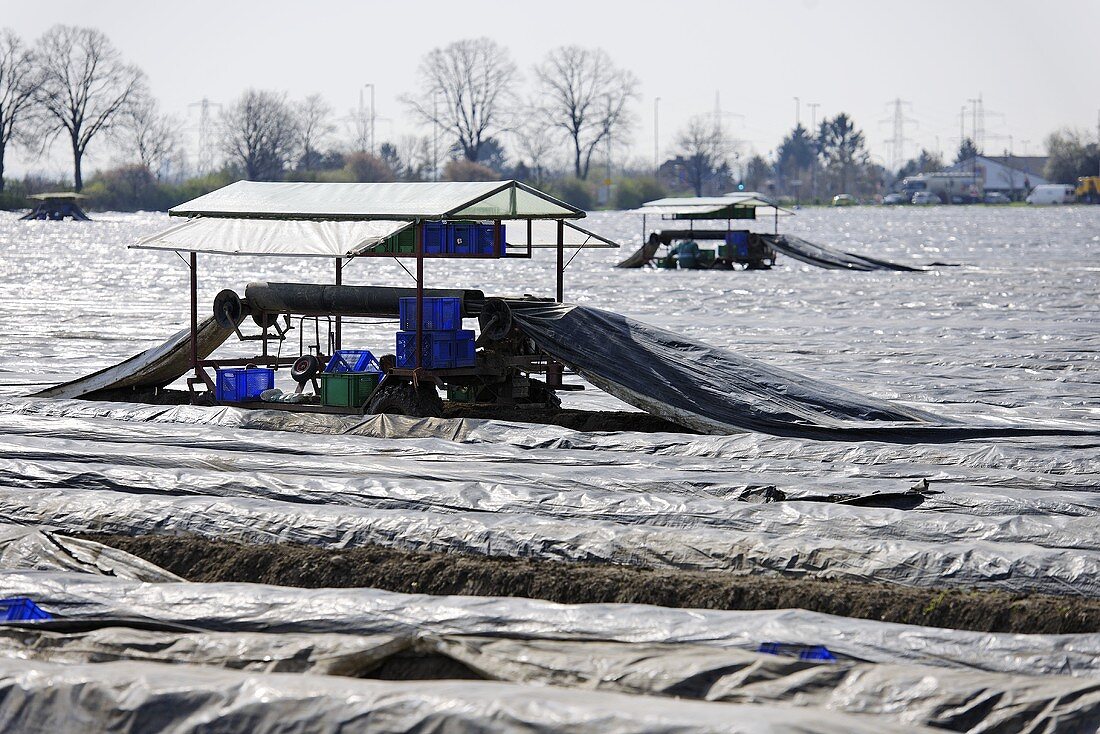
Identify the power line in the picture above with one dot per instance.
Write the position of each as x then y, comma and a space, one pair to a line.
897, 142
206, 146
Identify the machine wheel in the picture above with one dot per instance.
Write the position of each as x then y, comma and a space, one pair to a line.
400, 398
305, 368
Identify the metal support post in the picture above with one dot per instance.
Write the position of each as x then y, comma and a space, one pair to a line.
419, 294
561, 260
338, 344
195, 315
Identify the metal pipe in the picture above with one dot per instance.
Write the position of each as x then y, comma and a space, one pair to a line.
268, 300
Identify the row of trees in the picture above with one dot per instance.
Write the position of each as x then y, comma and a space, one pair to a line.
72, 84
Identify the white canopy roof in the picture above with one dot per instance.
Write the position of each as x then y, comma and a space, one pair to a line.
311, 238
287, 237
377, 201
699, 206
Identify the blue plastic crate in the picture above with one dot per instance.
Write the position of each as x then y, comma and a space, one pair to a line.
802, 652
22, 609
486, 237
440, 314
352, 360
464, 236
437, 238
239, 385
737, 237
465, 350
438, 350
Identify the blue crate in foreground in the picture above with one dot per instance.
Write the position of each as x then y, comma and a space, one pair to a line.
802, 652
352, 360
22, 609
239, 385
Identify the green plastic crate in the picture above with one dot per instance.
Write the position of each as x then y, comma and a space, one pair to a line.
347, 389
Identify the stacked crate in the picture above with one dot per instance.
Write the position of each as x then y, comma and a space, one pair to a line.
445, 344
447, 238
349, 378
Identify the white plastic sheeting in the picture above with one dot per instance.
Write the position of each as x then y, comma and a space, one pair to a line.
367, 201
146, 697
229, 607
139, 469
544, 233
279, 237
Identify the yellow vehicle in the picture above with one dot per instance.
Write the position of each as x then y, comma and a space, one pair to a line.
1088, 189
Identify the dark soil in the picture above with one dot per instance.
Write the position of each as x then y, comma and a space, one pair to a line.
198, 559
577, 420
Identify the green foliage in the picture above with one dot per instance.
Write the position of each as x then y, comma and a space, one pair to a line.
967, 150
580, 194
926, 162
367, 168
464, 170
1070, 157
631, 193
133, 188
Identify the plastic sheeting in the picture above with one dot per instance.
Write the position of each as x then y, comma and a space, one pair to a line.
232, 607
155, 367
909, 694
828, 258
143, 469
288, 238
369, 201
33, 548
144, 697
715, 390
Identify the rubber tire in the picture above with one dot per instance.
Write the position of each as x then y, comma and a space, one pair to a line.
399, 398
305, 368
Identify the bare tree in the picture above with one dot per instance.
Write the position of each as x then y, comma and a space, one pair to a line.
17, 84
584, 94
467, 90
152, 135
704, 147
314, 126
86, 87
534, 143
260, 132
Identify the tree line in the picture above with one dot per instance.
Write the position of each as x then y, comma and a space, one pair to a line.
73, 85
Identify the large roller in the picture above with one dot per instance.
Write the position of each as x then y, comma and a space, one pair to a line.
266, 300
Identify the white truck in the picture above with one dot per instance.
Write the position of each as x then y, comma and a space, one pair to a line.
1052, 194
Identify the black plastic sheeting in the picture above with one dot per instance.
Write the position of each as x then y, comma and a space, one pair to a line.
714, 390
828, 258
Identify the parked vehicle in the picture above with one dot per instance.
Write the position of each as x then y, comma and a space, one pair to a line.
1088, 189
925, 198
895, 198
844, 200
996, 197
1052, 194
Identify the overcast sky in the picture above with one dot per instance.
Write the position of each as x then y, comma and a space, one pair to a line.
1033, 62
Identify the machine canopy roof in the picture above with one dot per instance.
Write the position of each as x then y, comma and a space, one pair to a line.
295, 238
714, 207
545, 234
377, 201
309, 238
